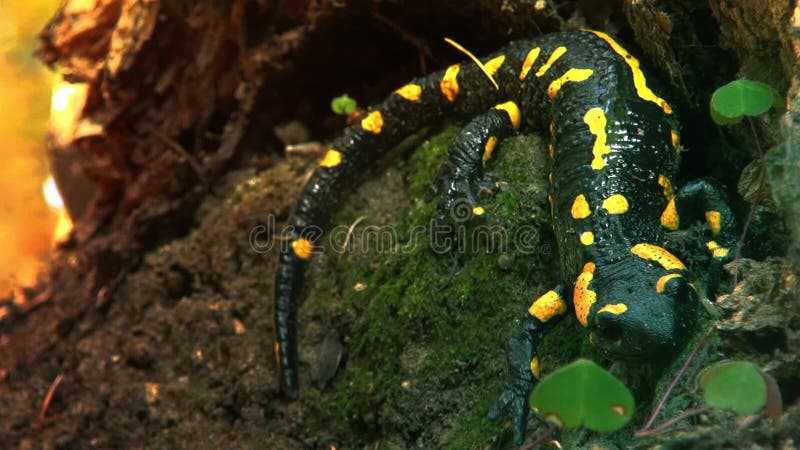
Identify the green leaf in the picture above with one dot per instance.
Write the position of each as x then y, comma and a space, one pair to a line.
742, 98
343, 105
583, 393
735, 385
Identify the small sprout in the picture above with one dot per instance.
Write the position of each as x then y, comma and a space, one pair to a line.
734, 385
238, 194
742, 98
583, 393
343, 105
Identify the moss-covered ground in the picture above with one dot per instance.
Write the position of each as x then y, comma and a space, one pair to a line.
426, 329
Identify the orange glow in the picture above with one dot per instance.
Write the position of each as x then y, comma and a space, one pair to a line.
26, 222
53, 199
66, 105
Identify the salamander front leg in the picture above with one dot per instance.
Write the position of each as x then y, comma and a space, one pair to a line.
461, 178
523, 366
705, 199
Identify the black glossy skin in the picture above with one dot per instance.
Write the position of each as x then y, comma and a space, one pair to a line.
639, 135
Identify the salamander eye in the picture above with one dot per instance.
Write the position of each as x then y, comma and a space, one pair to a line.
677, 288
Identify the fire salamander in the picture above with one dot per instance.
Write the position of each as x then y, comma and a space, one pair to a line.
614, 150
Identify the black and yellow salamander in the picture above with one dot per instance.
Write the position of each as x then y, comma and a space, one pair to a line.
614, 149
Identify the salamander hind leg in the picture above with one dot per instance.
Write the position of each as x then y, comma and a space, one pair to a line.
523, 365
461, 178
704, 199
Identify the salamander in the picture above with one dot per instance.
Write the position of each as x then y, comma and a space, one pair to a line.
614, 148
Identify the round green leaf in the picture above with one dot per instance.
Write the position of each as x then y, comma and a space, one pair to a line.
735, 385
719, 119
741, 98
343, 105
583, 393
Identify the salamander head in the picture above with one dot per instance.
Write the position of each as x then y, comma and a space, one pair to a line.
641, 311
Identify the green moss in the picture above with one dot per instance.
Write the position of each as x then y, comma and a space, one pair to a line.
425, 162
427, 332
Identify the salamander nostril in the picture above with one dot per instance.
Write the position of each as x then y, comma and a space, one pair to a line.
610, 332
609, 328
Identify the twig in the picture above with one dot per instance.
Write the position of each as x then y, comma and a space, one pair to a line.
193, 162
539, 441
312, 148
475, 59
423, 51
646, 428
670, 422
49, 397
349, 235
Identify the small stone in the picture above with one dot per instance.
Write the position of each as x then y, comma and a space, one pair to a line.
329, 356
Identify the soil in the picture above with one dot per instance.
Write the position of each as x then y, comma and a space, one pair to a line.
155, 330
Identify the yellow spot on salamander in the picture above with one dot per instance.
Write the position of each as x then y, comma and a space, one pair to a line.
512, 110
302, 248
373, 122
669, 217
580, 208
570, 76
493, 65
550, 177
278, 352
713, 219
716, 250
639, 81
530, 60
535, 370
411, 92
596, 119
616, 204
661, 284
615, 309
486, 71
332, 158
547, 306
669, 191
587, 238
557, 53
583, 297
552, 128
478, 210
676, 140
488, 149
658, 255
551, 151
449, 83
